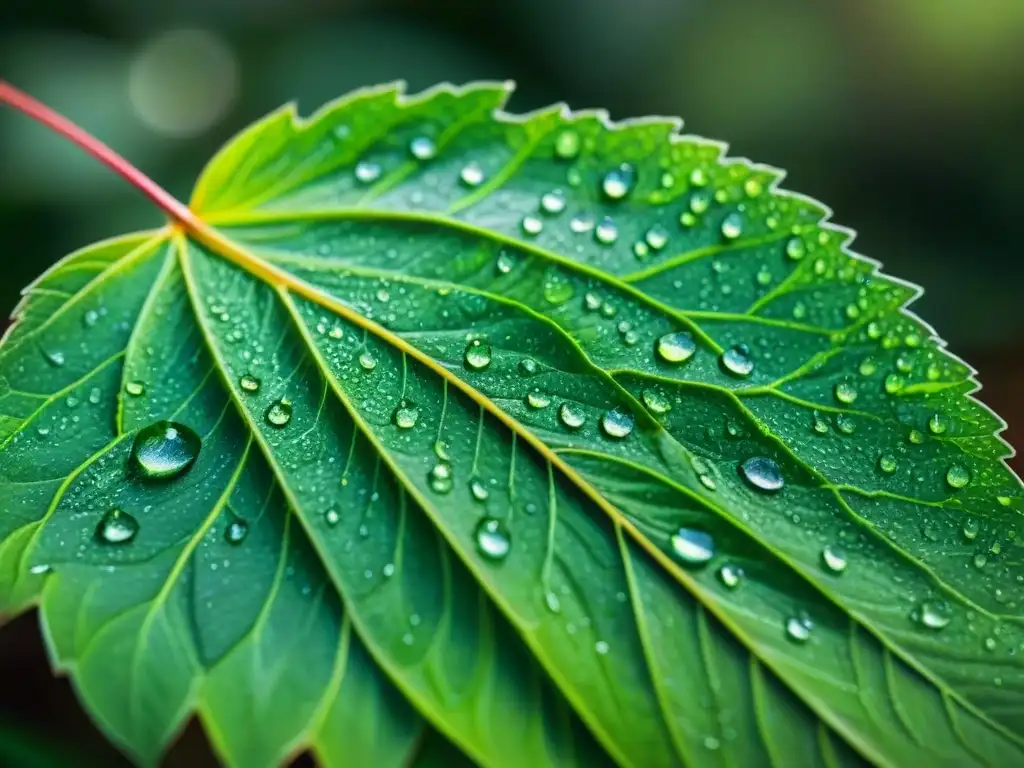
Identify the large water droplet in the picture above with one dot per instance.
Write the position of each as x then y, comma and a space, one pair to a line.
367, 361
506, 263
656, 237
618, 182
553, 202
165, 449
405, 415
572, 415
795, 249
732, 226
422, 148
762, 473
249, 383
958, 476
493, 538
478, 355
478, 489
737, 361
676, 347
894, 383
558, 290
937, 424
845, 392
693, 546
606, 232
135, 388
617, 423
440, 478
532, 225
567, 144
932, 614
537, 399
472, 175
833, 558
367, 172
236, 532
279, 413
887, 463
117, 527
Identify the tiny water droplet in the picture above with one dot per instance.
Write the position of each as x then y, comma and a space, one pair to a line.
572, 415
698, 177
737, 361
506, 263
367, 172
798, 629
537, 400
730, 575
958, 476
676, 347
618, 182
567, 144
552, 602
656, 237
887, 463
833, 558
617, 423
422, 148
135, 388
532, 225
332, 517
54, 358
606, 231
932, 614
249, 383
478, 355
279, 413
795, 248
90, 318
493, 539
236, 532
117, 527
405, 415
440, 478
762, 473
165, 449
845, 392
732, 226
753, 187
553, 202
656, 401
818, 424
472, 175
693, 546
601, 647
527, 366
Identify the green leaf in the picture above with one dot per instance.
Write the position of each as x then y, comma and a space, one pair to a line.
532, 440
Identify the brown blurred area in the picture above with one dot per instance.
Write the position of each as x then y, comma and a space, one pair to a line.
903, 115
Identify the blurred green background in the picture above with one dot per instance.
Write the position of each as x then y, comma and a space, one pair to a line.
905, 116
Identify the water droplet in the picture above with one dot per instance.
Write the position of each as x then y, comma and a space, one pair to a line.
693, 546
527, 366
478, 489
762, 473
39, 570
440, 478
90, 318
572, 415
532, 225
553, 202
893, 383
552, 602
617, 423
971, 528
845, 392
818, 424
478, 355
405, 415
558, 290
493, 539
958, 476
698, 177
567, 145
676, 347
980, 559
117, 527
56, 359
833, 558
990, 643
601, 647
506, 263
618, 182
656, 401
868, 367
249, 383
845, 424
422, 148
753, 187
730, 575
581, 224
538, 400
737, 361
279, 413
592, 301
606, 231
937, 424
887, 463
915, 437
367, 361
332, 517
165, 449
472, 175
732, 226
367, 172
798, 629
932, 614
687, 219
135, 388
236, 532
656, 237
